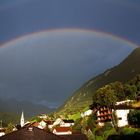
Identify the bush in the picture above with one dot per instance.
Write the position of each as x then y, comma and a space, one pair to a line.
77, 126
110, 132
128, 131
9, 128
134, 118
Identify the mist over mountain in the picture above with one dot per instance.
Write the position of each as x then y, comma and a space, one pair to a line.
30, 109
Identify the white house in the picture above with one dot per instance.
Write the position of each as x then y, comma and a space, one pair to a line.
43, 116
122, 112
86, 113
121, 115
63, 123
42, 124
57, 121
62, 131
66, 123
2, 132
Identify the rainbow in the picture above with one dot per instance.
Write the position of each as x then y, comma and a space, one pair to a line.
99, 33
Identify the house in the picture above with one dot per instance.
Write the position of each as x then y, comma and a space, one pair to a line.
79, 136
35, 124
34, 133
57, 121
2, 131
122, 110
50, 124
63, 123
103, 114
62, 131
121, 115
42, 124
87, 113
31, 133
66, 123
43, 116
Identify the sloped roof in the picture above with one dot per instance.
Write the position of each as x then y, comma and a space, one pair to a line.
2, 129
62, 129
36, 124
74, 137
68, 121
31, 133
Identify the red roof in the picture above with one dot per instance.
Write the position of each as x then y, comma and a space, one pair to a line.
62, 129
36, 124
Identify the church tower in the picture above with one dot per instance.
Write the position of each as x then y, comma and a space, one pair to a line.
22, 119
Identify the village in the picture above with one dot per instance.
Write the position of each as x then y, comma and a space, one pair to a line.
62, 128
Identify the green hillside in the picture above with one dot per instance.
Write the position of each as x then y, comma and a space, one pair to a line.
123, 72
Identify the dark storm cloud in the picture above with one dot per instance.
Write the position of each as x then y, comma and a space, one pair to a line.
22, 17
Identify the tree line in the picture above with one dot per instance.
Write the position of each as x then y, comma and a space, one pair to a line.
111, 93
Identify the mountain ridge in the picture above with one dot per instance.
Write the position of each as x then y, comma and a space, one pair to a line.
30, 109
126, 70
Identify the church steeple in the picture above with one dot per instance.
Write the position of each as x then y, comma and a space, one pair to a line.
22, 119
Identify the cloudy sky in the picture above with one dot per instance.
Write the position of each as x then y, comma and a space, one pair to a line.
21, 18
